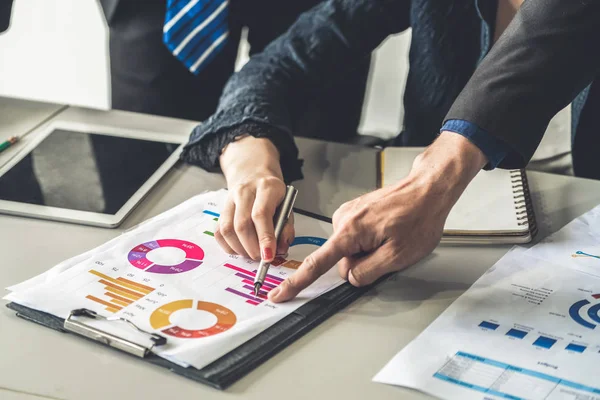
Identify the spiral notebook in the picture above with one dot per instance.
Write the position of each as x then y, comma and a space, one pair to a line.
495, 208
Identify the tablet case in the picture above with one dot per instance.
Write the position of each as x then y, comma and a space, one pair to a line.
234, 365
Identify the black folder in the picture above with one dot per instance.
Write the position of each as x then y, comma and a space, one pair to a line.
226, 370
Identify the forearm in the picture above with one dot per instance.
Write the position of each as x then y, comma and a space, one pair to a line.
547, 55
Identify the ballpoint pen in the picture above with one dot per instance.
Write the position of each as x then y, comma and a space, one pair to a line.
281, 217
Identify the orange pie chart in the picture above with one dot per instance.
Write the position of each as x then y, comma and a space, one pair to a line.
161, 318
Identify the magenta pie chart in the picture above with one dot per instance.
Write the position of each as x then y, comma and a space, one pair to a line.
166, 256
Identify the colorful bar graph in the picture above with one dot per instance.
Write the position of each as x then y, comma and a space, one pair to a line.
238, 269
135, 285
516, 333
244, 295
247, 283
261, 294
117, 297
488, 325
119, 302
124, 282
209, 233
122, 289
264, 287
544, 342
576, 347
121, 292
250, 275
214, 214
246, 277
273, 277
100, 301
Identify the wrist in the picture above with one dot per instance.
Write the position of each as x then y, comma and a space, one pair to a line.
447, 166
250, 156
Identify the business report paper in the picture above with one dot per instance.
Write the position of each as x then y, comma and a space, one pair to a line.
169, 276
527, 329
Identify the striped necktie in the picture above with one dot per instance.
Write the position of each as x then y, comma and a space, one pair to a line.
195, 30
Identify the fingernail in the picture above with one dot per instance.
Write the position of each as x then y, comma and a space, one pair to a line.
267, 253
274, 292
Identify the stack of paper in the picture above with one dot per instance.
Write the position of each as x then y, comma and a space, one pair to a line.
527, 329
169, 276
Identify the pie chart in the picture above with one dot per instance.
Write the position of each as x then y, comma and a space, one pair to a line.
162, 318
166, 256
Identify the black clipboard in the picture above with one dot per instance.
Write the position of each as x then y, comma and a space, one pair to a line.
226, 370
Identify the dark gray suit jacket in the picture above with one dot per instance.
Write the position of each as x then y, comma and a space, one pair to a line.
5, 9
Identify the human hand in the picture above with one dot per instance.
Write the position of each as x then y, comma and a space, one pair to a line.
394, 227
256, 188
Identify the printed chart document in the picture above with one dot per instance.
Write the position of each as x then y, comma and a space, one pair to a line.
527, 329
169, 276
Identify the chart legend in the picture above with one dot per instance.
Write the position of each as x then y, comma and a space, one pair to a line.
191, 256
216, 218
120, 292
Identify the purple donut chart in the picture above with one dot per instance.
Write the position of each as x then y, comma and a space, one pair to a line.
138, 256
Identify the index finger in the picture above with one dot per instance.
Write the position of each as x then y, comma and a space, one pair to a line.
315, 265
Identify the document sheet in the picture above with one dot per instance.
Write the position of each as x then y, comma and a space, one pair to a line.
527, 329
169, 276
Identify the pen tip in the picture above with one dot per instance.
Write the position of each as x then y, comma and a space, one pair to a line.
256, 289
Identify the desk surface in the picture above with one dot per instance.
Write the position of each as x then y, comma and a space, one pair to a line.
328, 361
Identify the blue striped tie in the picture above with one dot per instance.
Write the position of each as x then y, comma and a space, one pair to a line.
195, 30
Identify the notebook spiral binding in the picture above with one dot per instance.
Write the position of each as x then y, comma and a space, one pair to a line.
522, 198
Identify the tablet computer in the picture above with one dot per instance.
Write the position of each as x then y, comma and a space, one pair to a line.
82, 173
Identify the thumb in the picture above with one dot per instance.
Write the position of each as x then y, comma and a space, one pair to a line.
367, 269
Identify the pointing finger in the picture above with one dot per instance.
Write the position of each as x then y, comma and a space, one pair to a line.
315, 265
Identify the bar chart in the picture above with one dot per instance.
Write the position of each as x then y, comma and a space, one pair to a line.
119, 292
516, 333
543, 342
247, 284
578, 348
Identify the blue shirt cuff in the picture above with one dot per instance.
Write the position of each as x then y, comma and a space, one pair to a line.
493, 149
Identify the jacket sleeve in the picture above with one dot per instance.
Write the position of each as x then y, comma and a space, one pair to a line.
546, 56
5, 11
271, 90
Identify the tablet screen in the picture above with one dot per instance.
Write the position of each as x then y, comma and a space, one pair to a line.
84, 171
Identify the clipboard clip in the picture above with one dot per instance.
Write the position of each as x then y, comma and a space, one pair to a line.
73, 325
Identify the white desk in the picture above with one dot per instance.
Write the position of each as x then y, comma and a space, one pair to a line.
331, 360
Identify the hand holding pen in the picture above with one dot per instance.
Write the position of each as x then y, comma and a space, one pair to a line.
281, 217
